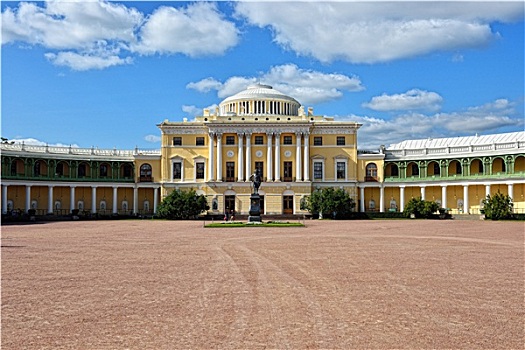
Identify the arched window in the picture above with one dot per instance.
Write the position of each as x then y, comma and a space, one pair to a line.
82, 170
371, 172
127, 171
103, 170
145, 172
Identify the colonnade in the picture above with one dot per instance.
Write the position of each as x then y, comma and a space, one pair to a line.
72, 202
273, 166
466, 205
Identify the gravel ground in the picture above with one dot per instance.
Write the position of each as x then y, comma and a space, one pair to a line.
332, 285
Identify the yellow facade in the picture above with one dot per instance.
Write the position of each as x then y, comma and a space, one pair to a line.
295, 151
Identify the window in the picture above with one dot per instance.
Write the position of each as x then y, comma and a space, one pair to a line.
341, 140
287, 176
230, 140
318, 141
230, 171
13, 168
145, 172
103, 170
199, 141
259, 140
177, 141
395, 170
287, 204
341, 170
458, 168
436, 169
59, 171
177, 171
287, 140
415, 169
371, 171
259, 166
82, 170
200, 170
36, 168
127, 171
318, 171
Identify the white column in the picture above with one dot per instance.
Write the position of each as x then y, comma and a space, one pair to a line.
269, 157
298, 175
465, 199
240, 157
4, 199
135, 200
401, 198
93, 199
306, 163
155, 199
72, 198
115, 208
487, 190
248, 156
210, 157
423, 192
278, 157
219, 157
444, 197
50, 199
28, 197
362, 199
510, 190
381, 199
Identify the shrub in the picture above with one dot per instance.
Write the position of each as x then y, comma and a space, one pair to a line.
420, 208
182, 205
498, 207
330, 202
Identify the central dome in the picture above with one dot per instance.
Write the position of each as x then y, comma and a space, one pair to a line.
259, 99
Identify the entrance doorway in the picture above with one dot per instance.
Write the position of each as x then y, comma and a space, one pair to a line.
287, 204
229, 203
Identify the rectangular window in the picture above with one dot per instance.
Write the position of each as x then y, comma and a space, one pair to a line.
458, 168
341, 141
318, 141
177, 171
287, 171
341, 170
200, 171
260, 167
230, 171
230, 140
287, 140
177, 141
259, 140
318, 171
199, 141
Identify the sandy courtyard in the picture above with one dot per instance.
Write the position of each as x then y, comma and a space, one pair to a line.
332, 285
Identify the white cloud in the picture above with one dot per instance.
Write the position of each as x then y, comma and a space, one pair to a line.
489, 118
411, 100
196, 30
79, 32
82, 62
369, 32
308, 86
152, 138
35, 142
69, 25
192, 110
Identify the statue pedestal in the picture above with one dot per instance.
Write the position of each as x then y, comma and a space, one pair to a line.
255, 208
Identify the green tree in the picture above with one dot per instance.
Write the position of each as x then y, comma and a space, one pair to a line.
329, 202
182, 205
420, 208
498, 207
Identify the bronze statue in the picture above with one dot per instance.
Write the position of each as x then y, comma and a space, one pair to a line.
255, 178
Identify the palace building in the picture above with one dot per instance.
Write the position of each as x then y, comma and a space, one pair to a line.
295, 151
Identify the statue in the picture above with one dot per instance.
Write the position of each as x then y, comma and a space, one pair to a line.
255, 178
255, 199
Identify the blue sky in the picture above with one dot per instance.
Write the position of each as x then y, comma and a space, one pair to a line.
104, 74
